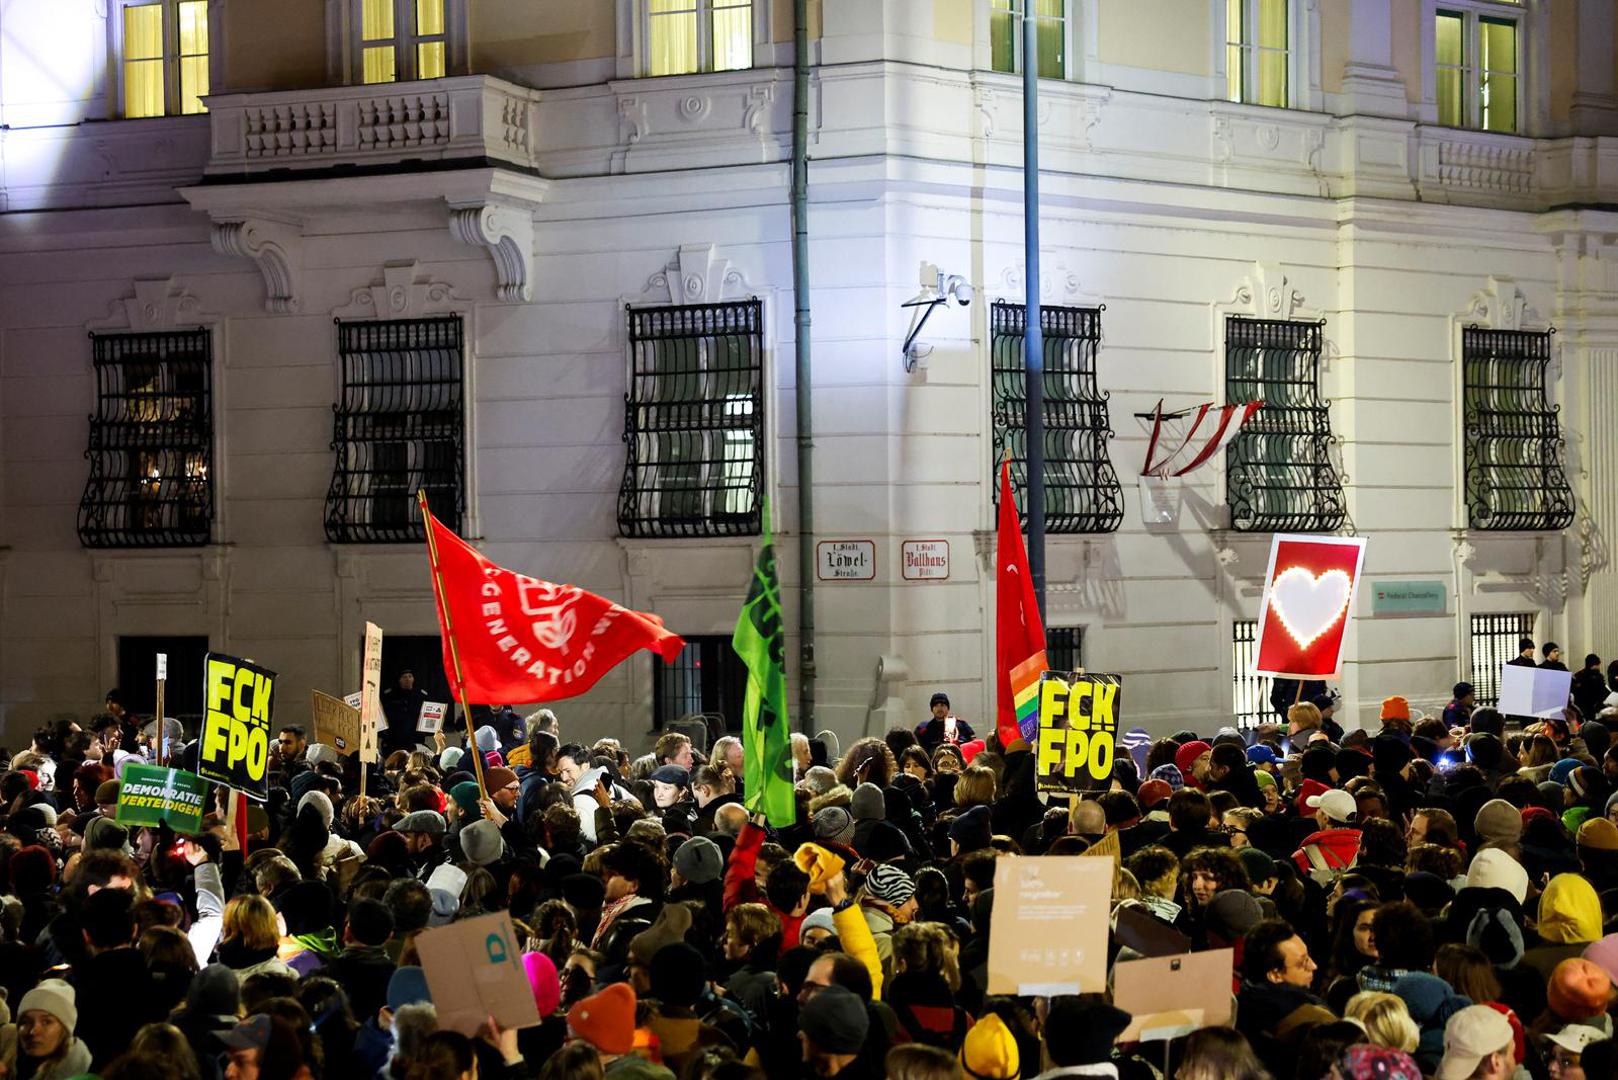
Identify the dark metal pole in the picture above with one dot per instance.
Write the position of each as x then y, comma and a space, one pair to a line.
1033, 335
801, 342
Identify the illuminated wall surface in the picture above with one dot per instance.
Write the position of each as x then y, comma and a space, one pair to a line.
259, 169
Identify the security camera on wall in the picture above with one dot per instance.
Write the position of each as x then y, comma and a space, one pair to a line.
937, 289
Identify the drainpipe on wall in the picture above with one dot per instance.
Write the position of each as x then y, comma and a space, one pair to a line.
800, 324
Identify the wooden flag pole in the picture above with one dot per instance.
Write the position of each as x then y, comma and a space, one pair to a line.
449, 635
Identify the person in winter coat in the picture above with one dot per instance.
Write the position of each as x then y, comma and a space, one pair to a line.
43, 1035
889, 902
1569, 919
926, 976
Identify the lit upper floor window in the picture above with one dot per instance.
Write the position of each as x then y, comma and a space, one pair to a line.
1006, 34
400, 40
1478, 62
164, 57
1257, 52
686, 36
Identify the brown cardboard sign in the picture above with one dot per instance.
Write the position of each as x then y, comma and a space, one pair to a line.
1048, 934
336, 724
1171, 996
474, 970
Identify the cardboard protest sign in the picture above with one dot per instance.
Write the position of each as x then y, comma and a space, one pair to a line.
151, 794
474, 970
238, 699
1308, 600
336, 723
371, 693
1147, 934
431, 717
1048, 933
1078, 722
1526, 691
1108, 846
1171, 996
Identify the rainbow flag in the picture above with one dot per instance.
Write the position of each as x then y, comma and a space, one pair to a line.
1025, 694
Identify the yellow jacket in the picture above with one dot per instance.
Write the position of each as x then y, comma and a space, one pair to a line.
855, 935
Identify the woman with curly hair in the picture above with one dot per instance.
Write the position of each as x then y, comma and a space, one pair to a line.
926, 975
868, 761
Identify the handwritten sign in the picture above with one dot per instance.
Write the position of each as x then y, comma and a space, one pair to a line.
337, 724
371, 693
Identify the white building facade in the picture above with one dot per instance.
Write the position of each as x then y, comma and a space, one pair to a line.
290, 311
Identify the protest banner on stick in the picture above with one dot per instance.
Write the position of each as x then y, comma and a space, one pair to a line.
1078, 725
1048, 932
370, 699
162, 684
336, 723
151, 794
238, 701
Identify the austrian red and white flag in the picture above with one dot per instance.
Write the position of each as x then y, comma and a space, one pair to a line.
523, 640
1308, 601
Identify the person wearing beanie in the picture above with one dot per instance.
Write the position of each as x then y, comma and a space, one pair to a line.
698, 861
1578, 990
1552, 653
1229, 916
1079, 1032
972, 830
1463, 701
1186, 759
481, 842
1498, 824
833, 825
941, 727
1153, 797
363, 967
1395, 714
889, 902
607, 1022
46, 1046
989, 1051
834, 1024
1569, 919
1494, 868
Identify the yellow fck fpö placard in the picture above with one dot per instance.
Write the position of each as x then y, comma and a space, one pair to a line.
1078, 726
238, 697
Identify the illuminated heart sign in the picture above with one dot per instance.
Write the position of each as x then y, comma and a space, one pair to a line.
1308, 602
1308, 605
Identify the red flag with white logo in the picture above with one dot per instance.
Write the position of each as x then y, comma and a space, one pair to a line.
520, 639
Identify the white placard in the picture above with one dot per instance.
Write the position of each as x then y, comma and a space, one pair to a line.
352, 700
431, 717
845, 560
371, 693
1526, 691
162, 665
925, 560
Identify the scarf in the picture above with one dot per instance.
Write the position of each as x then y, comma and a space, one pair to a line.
609, 912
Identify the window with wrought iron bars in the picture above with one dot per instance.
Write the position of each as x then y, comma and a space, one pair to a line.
1250, 694
694, 421
1494, 641
1279, 476
1064, 647
706, 678
1513, 440
151, 441
398, 429
1081, 487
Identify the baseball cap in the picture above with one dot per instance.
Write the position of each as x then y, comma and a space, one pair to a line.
1338, 804
1575, 1037
250, 1034
1472, 1034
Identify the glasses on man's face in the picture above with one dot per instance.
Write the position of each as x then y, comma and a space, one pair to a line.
512, 787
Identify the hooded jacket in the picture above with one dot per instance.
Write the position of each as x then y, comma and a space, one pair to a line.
1431, 1002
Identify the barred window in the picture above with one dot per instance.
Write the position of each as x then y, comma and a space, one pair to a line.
151, 441
1514, 474
1081, 488
1279, 476
1250, 693
1494, 640
1064, 648
706, 678
694, 421
398, 428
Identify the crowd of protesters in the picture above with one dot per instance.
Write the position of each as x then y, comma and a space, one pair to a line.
1429, 896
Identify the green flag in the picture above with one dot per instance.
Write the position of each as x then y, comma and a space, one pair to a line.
766, 743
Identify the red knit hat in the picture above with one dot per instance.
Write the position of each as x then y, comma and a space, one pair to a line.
1187, 755
1519, 1039
606, 1020
1306, 791
1533, 812
1578, 990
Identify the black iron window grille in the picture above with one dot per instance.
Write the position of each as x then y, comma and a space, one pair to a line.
694, 421
707, 678
1081, 488
1514, 473
1494, 641
398, 428
1064, 648
1279, 475
151, 441
1250, 694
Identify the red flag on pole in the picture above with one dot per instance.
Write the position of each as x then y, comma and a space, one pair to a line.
1019, 636
512, 638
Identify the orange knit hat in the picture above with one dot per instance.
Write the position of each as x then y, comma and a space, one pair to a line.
1395, 708
606, 1020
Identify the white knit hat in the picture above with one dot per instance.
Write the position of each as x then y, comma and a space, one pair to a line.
55, 997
